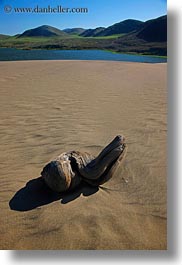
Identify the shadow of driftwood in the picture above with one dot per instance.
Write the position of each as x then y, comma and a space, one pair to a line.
36, 194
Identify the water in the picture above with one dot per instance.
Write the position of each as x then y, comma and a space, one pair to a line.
11, 54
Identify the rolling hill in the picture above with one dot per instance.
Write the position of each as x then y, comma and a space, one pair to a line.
3, 36
154, 30
74, 31
92, 32
125, 26
43, 31
151, 39
148, 37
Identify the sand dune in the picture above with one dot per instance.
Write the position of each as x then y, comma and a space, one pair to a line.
48, 107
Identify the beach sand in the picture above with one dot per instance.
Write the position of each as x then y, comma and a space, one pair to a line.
49, 107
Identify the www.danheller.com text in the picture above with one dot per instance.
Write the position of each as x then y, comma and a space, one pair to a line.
48, 9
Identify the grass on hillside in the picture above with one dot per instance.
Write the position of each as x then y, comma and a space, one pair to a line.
113, 43
115, 36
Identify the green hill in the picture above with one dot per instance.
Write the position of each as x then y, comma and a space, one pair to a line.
129, 36
92, 32
74, 31
151, 39
125, 26
43, 31
3, 36
154, 30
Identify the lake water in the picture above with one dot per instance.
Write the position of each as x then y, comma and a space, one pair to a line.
10, 54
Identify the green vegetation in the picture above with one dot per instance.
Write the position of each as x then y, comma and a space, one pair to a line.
114, 36
137, 53
43, 31
122, 27
74, 31
68, 42
151, 39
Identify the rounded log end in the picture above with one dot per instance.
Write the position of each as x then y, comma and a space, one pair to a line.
54, 177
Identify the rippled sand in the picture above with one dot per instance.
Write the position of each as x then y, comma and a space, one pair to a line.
48, 107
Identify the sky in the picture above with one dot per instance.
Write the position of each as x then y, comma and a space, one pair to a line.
101, 13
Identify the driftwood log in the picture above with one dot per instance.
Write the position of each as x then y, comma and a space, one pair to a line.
69, 169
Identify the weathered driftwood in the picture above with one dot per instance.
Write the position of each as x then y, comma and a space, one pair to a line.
69, 169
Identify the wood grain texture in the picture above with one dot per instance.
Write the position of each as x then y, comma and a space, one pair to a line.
69, 169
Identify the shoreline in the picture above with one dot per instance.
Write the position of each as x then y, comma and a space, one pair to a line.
106, 50
100, 61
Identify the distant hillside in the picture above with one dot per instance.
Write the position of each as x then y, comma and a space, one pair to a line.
148, 37
92, 32
2, 36
151, 39
17, 35
74, 31
43, 31
125, 26
154, 30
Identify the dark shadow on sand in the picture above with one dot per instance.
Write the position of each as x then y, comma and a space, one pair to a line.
36, 194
